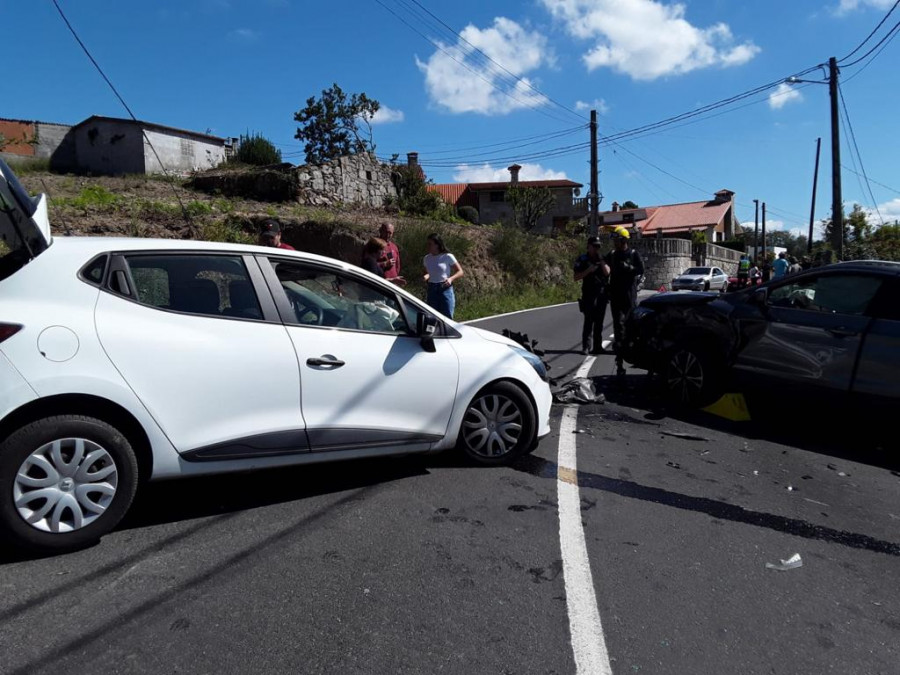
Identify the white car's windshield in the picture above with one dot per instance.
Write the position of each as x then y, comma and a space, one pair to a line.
696, 270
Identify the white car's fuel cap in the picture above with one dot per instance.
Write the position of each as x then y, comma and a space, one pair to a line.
58, 344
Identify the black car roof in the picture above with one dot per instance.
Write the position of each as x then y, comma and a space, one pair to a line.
867, 265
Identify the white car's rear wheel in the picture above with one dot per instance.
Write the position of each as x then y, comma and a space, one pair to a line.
64, 482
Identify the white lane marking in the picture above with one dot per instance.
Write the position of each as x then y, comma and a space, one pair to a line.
588, 644
606, 344
521, 311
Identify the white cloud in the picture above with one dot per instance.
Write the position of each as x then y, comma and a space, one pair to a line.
485, 173
849, 5
647, 39
386, 115
244, 35
890, 213
783, 95
478, 85
597, 104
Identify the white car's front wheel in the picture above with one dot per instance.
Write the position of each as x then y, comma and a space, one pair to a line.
499, 425
64, 482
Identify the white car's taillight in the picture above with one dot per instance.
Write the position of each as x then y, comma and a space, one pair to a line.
7, 330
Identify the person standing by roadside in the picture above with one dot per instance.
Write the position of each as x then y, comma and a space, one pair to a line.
795, 267
766, 270
780, 266
372, 254
593, 273
270, 235
625, 268
390, 257
755, 275
743, 271
441, 270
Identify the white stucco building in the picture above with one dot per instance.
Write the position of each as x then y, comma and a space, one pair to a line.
109, 145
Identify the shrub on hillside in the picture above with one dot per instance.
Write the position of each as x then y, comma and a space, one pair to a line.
256, 150
469, 214
415, 199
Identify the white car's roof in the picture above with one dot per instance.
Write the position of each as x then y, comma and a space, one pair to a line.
89, 246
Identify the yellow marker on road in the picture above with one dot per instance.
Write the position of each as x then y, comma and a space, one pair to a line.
732, 407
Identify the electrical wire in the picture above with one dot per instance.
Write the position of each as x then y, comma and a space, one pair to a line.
874, 30
184, 211
874, 57
886, 187
862, 168
499, 65
887, 36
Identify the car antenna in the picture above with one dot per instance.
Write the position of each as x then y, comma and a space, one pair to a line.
64, 223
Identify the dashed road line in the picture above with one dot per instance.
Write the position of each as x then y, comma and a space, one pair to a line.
585, 629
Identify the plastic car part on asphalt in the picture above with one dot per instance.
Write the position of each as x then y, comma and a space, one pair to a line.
791, 563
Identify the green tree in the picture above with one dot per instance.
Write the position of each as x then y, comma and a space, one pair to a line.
529, 204
336, 124
886, 242
257, 150
858, 233
413, 195
629, 205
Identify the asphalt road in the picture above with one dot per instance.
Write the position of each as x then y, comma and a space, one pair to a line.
427, 565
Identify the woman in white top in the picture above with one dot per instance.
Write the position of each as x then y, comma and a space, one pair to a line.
441, 270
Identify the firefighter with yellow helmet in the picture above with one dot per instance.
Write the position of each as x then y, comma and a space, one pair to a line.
625, 270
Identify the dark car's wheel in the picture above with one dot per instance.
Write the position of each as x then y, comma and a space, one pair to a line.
64, 482
499, 425
693, 375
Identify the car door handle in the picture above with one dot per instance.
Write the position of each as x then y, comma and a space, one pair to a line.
325, 361
842, 332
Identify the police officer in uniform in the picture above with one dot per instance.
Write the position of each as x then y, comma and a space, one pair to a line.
625, 269
593, 273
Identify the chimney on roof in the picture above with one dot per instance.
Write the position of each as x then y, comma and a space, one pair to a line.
615, 206
514, 174
412, 159
723, 196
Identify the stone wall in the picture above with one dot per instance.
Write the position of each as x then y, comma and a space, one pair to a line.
719, 256
354, 179
663, 259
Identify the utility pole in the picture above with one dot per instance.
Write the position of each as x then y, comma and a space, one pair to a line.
594, 196
765, 259
812, 209
756, 233
837, 201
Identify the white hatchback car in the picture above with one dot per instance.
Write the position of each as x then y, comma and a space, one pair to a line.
123, 360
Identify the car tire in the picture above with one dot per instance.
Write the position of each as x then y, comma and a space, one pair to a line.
498, 425
692, 374
85, 472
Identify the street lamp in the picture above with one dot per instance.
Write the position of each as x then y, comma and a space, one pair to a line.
837, 202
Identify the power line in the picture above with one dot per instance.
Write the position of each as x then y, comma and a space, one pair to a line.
862, 168
115, 91
887, 36
874, 30
872, 180
496, 63
513, 144
462, 62
874, 57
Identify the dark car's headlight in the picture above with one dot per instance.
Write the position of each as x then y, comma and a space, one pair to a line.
535, 362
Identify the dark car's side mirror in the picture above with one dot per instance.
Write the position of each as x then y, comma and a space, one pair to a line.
426, 327
759, 297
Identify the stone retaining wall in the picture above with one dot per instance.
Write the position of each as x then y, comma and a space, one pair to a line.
355, 179
663, 260
718, 256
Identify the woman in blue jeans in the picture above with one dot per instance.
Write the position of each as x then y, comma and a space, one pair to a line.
441, 270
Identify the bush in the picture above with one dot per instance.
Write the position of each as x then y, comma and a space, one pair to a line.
469, 214
91, 197
517, 253
415, 199
256, 150
229, 230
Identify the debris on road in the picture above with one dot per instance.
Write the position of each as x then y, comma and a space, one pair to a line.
579, 390
685, 436
791, 563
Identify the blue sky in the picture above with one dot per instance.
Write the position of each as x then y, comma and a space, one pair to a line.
236, 65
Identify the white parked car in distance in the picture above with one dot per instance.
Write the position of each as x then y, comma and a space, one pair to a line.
124, 360
701, 279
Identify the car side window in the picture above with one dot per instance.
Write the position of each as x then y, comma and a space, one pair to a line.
322, 297
195, 284
831, 293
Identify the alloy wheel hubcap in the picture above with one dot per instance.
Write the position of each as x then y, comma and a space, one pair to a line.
685, 377
65, 485
492, 426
